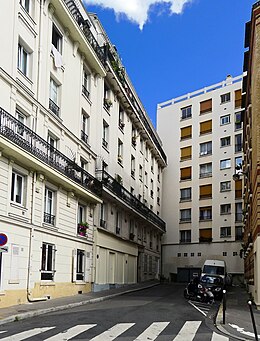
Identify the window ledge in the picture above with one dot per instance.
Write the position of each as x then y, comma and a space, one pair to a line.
20, 207
25, 77
45, 284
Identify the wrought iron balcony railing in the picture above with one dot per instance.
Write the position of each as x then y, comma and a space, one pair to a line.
49, 218
114, 186
54, 108
84, 136
42, 150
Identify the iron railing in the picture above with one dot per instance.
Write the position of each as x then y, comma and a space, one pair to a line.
54, 107
84, 136
32, 143
114, 186
49, 218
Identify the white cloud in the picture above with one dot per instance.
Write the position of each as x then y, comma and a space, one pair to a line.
137, 11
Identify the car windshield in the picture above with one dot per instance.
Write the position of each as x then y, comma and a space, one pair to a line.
212, 269
211, 280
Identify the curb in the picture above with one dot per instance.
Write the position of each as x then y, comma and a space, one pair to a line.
39, 312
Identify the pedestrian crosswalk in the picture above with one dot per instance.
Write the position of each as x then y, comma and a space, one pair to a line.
187, 332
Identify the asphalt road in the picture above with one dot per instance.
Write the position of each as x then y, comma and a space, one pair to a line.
159, 313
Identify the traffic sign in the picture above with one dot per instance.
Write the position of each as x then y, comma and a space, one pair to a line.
3, 239
3, 249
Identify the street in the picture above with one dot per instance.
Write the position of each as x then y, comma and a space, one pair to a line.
159, 313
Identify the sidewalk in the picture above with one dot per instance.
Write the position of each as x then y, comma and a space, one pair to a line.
27, 310
238, 318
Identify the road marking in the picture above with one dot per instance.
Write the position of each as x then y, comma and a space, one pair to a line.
202, 312
113, 332
217, 337
188, 331
152, 332
70, 333
26, 334
3, 331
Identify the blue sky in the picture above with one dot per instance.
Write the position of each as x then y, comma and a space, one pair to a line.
178, 53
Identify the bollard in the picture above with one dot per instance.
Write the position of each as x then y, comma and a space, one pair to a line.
253, 319
224, 306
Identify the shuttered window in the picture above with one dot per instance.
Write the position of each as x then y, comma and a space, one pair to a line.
186, 153
186, 173
238, 98
205, 235
205, 191
238, 189
206, 127
186, 133
206, 106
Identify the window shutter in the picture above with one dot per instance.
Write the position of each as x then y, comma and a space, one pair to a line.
238, 189
74, 265
238, 98
186, 132
185, 173
206, 127
14, 268
205, 191
206, 106
206, 233
87, 263
186, 153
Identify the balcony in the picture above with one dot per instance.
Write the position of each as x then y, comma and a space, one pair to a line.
84, 136
54, 108
122, 193
45, 153
49, 218
205, 175
85, 91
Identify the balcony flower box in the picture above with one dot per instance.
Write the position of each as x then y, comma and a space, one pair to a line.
82, 229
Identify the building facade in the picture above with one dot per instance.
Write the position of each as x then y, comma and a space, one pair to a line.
251, 166
81, 164
202, 205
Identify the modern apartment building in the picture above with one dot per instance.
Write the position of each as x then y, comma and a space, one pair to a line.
202, 205
251, 167
80, 162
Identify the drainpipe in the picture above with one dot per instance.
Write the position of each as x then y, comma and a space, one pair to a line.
29, 293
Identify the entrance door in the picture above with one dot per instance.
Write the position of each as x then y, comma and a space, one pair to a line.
112, 266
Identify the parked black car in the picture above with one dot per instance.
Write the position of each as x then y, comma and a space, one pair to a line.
215, 284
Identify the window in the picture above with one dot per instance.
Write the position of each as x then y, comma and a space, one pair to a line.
205, 213
239, 233
17, 188
86, 83
224, 164
225, 231
23, 60
146, 179
238, 189
120, 151
107, 100
25, 4
81, 214
185, 236
49, 217
52, 140
206, 191
225, 141
185, 194
186, 132
103, 215
238, 162
118, 222
205, 148
158, 195
132, 166
238, 143
224, 120
206, 170
238, 214
186, 153
22, 121
186, 112
140, 173
206, 106
205, 236
80, 265
225, 186
206, 127
48, 261
151, 187
105, 134
185, 215
152, 164
225, 98
53, 101
238, 98
56, 38
225, 209
238, 120
186, 173
121, 123
84, 127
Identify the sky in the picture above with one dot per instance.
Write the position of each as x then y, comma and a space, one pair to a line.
170, 48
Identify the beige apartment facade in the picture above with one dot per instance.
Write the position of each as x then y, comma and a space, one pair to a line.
202, 205
81, 164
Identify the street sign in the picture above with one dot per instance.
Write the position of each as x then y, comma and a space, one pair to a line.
3, 249
3, 239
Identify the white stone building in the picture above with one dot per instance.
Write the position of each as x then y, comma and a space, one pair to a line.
80, 162
202, 205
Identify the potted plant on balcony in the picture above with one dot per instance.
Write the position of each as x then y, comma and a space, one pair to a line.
82, 228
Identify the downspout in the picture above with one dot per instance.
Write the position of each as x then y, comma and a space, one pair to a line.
29, 293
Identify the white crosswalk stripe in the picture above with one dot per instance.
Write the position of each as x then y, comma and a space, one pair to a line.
217, 337
188, 331
70, 333
26, 334
113, 332
152, 331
